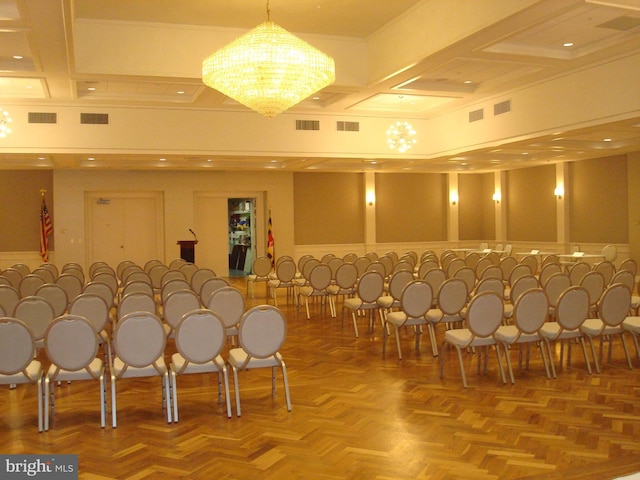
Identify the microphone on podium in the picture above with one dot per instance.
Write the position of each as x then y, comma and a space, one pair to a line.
194, 234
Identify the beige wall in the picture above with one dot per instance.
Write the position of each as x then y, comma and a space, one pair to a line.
598, 201
633, 181
476, 214
329, 208
411, 207
20, 202
531, 206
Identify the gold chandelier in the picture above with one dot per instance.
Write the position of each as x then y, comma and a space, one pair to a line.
268, 69
5, 120
400, 136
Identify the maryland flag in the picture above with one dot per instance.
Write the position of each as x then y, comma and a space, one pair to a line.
271, 249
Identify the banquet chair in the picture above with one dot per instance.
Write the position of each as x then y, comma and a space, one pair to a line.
135, 302
361, 264
22, 268
607, 269
435, 278
546, 272
484, 263
9, 298
29, 284
610, 253
425, 266
529, 314
55, 295
261, 334
454, 265
345, 284
37, 313
629, 265
200, 337
46, 274
468, 276
518, 271
531, 261
14, 276
577, 271
107, 278
492, 271
571, 312
103, 290
139, 341
156, 272
188, 269
472, 259
176, 305
210, 286
350, 257
72, 344
174, 285
521, 285
71, 284
149, 264
199, 277
506, 265
451, 298
415, 301
17, 362
75, 270
555, 286
369, 288
285, 274
319, 280
613, 307
98, 266
172, 275
137, 286
228, 304
95, 310
594, 282
391, 301
484, 317
261, 269
176, 263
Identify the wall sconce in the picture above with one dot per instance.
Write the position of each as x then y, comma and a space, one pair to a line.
497, 197
370, 197
558, 192
453, 198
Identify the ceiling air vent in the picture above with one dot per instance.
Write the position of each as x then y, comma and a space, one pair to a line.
502, 107
476, 115
94, 118
621, 23
43, 117
307, 124
348, 126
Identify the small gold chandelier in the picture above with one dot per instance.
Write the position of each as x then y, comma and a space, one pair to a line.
268, 69
5, 120
400, 136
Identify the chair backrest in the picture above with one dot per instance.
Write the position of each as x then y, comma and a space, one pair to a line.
594, 283
350, 258
286, 270
452, 296
262, 331
95, 267
577, 271
75, 270
468, 276
398, 282
334, 265
492, 271
137, 286
370, 286
361, 264
347, 276
152, 263
483, 263
435, 278
188, 269
614, 305
200, 276
506, 265
71, 284
388, 262
14, 276
377, 266
425, 266
138, 276
572, 308
172, 275
494, 285
177, 304
209, 286
550, 259
93, 308
139, 339
122, 266
446, 258
55, 295
610, 253
626, 278
17, 346
629, 265
228, 303
454, 265
302, 260
71, 343
102, 290
306, 268
22, 268
172, 286
35, 312
519, 270
556, 284
326, 257
530, 310
176, 263
9, 298
156, 272
607, 270
532, 261
29, 284
46, 274
416, 298
524, 283
484, 314
472, 259
4, 281
548, 270
403, 266
108, 279
136, 302
373, 256
200, 336
320, 277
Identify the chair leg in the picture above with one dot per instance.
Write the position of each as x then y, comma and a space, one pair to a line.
586, 357
504, 380
113, 401
235, 385
432, 337
225, 375
355, 324
47, 394
553, 367
286, 385
626, 351
464, 377
508, 360
40, 406
167, 394
544, 358
103, 399
174, 394
397, 333
593, 353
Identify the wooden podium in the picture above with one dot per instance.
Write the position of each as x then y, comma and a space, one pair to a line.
188, 250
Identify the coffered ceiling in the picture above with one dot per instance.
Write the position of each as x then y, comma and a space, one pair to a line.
54, 52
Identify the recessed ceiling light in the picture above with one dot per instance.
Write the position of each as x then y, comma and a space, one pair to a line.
91, 158
567, 44
180, 92
163, 159
209, 160
607, 140
18, 57
91, 89
29, 86
467, 82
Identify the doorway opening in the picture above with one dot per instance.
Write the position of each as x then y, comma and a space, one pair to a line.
242, 235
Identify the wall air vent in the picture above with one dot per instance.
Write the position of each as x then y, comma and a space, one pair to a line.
348, 126
502, 107
43, 117
476, 115
94, 118
307, 124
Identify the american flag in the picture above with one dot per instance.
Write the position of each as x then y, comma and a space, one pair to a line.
271, 242
46, 229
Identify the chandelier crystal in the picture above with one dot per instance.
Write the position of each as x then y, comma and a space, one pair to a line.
268, 69
5, 120
401, 136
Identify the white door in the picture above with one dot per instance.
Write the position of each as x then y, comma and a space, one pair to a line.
124, 226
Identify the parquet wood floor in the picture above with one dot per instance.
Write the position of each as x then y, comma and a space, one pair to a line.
356, 415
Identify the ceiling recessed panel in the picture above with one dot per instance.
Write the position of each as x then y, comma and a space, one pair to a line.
389, 102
